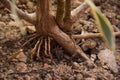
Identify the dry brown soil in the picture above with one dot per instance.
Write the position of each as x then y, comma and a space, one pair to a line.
24, 68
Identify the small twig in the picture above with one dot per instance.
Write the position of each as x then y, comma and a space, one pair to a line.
116, 29
49, 51
45, 51
92, 35
33, 37
34, 49
39, 48
76, 11
14, 56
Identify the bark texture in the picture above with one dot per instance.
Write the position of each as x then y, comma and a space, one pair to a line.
67, 18
47, 26
60, 12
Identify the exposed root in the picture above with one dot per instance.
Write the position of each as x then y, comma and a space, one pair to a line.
35, 49
45, 25
49, 50
32, 38
39, 48
14, 55
21, 48
92, 35
45, 51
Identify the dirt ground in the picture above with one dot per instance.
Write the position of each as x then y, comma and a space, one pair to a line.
25, 68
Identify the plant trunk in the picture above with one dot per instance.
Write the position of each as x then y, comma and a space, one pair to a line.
43, 17
47, 26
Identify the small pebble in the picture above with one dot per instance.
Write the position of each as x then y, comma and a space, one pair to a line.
90, 78
2, 24
12, 24
21, 67
93, 57
46, 65
30, 5
26, 77
48, 77
75, 65
79, 76
118, 16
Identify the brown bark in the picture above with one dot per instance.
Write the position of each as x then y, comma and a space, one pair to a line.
60, 12
67, 18
46, 26
66, 42
43, 17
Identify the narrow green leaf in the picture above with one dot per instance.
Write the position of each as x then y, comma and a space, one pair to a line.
104, 25
106, 31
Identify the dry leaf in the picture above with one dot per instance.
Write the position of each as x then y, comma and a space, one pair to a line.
107, 56
104, 24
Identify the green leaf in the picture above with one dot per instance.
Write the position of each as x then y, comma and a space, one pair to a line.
106, 31
105, 27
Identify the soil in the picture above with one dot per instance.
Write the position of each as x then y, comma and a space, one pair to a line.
25, 68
